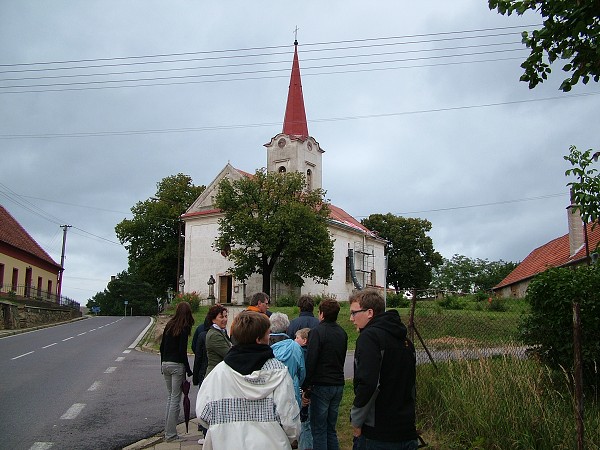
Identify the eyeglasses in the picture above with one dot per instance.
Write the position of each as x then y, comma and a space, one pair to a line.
353, 313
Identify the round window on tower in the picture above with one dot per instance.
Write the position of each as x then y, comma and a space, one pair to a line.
281, 143
309, 146
281, 169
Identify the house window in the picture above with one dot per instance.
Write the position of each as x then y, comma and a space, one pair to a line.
49, 292
348, 274
1, 277
15, 279
39, 287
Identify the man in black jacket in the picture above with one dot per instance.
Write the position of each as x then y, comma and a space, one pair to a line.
306, 319
327, 345
384, 376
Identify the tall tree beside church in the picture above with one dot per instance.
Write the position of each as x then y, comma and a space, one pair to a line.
274, 226
152, 236
411, 256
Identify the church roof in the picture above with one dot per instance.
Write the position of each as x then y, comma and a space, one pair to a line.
294, 122
555, 253
13, 234
339, 216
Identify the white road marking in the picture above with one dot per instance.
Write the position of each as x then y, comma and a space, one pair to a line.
119, 359
68, 339
81, 334
110, 370
73, 411
24, 354
49, 345
93, 329
127, 351
95, 385
41, 445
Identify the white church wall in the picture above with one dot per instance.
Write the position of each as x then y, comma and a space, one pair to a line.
201, 261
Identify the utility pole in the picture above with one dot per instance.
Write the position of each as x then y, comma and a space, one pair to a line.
62, 260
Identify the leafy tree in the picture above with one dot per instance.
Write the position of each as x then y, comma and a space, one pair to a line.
152, 236
411, 256
549, 326
273, 226
570, 32
456, 274
466, 275
586, 188
125, 287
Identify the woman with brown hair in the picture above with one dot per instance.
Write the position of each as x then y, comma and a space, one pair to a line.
217, 340
174, 363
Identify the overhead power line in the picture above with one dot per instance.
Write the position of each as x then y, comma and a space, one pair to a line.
271, 124
34, 209
478, 205
262, 63
310, 44
359, 55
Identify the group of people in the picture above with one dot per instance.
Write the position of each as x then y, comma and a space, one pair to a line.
255, 382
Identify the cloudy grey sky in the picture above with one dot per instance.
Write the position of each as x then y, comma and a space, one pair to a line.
418, 107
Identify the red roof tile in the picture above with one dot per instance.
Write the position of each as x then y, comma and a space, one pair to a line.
553, 254
13, 234
338, 215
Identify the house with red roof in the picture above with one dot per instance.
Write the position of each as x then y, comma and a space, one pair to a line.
358, 252
25, 268
570, 250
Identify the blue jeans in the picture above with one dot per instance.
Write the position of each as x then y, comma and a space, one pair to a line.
173, 373
306, 441
324, 407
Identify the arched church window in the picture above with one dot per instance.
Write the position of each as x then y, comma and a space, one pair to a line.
281, 169
309, 179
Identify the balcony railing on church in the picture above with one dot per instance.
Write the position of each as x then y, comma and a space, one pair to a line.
24, 292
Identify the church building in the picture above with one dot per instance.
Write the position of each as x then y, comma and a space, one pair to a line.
358, 252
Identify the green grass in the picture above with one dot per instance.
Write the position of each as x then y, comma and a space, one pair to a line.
484, 404
500, 403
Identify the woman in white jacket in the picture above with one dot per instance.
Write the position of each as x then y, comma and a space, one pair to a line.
248, 400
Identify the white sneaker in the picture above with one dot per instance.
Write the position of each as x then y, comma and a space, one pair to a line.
201, 441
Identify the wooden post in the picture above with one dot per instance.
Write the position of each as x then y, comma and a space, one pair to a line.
578, 374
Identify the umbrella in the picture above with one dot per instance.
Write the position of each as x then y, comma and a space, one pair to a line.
185, 388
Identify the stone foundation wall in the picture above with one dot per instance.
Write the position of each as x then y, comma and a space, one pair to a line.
23, 316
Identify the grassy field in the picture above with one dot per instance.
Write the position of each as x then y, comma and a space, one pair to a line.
483, 404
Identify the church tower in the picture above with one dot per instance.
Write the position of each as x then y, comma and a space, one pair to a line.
293, 149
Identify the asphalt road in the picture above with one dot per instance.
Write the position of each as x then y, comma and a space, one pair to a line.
80, 386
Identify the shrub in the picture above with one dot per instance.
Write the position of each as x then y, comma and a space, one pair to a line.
549, 325
451, 302
287, 300
319, 298
191, 297
481, 296
397, 300
496, 304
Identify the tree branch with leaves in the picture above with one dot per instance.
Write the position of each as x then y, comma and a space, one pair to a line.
274, 226
570, 31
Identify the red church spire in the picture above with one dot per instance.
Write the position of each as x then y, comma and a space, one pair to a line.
294, 123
